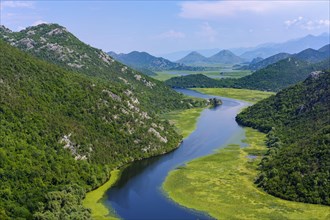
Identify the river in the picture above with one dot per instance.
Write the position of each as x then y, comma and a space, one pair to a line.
138, 193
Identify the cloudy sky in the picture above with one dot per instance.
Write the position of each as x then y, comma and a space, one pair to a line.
167, 26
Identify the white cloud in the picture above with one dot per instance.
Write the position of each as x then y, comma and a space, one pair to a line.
16, 4
315, 24
39, 22
208, 32
292, 22
215, 9
171, 34
303, 23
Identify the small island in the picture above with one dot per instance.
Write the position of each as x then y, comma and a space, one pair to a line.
214, 102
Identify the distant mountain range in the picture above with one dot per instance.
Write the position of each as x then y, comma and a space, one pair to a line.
148, 64
144, 61
309, 55
292, 46
273, 77
266, 54
263, 50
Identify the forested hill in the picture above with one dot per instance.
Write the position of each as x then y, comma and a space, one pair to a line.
54, 43
280, 75
61, 134
274, 77
296, 166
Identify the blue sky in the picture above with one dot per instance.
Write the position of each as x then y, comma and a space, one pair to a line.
167, 26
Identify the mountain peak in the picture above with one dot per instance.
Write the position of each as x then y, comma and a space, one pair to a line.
195, 53
3, 29
192, 57
225, 57
49, 29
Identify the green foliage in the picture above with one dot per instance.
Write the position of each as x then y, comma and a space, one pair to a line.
104, 124
214, 102
296, 166
274, 77
64, 204
55, 44
104, 113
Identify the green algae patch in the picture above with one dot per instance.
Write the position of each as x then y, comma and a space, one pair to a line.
185, 121
222, 185
94, 200
248, 95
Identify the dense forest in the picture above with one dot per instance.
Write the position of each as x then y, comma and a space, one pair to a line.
274, 77
55, 44
62, 132
296, 166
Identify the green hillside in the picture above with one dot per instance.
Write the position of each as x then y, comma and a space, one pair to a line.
61, 134
297, 120
55, 44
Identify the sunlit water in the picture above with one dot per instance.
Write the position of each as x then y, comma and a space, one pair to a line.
138, 193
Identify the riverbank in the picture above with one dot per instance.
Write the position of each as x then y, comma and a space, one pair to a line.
222, 185
185, 121
94, 199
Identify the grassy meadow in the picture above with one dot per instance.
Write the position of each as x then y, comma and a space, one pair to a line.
185, 121
248, 95
94, 199
222, 185
221, 73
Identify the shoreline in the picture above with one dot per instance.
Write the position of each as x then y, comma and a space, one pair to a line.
94, 200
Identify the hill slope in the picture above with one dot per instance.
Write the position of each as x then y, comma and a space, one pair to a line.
309, 55
268, 61
280, 75
225, 57
296, 166
192, 58
312, 55
54, 43
62, 132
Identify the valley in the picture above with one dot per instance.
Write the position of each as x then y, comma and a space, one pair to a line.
137, 194
164, 110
